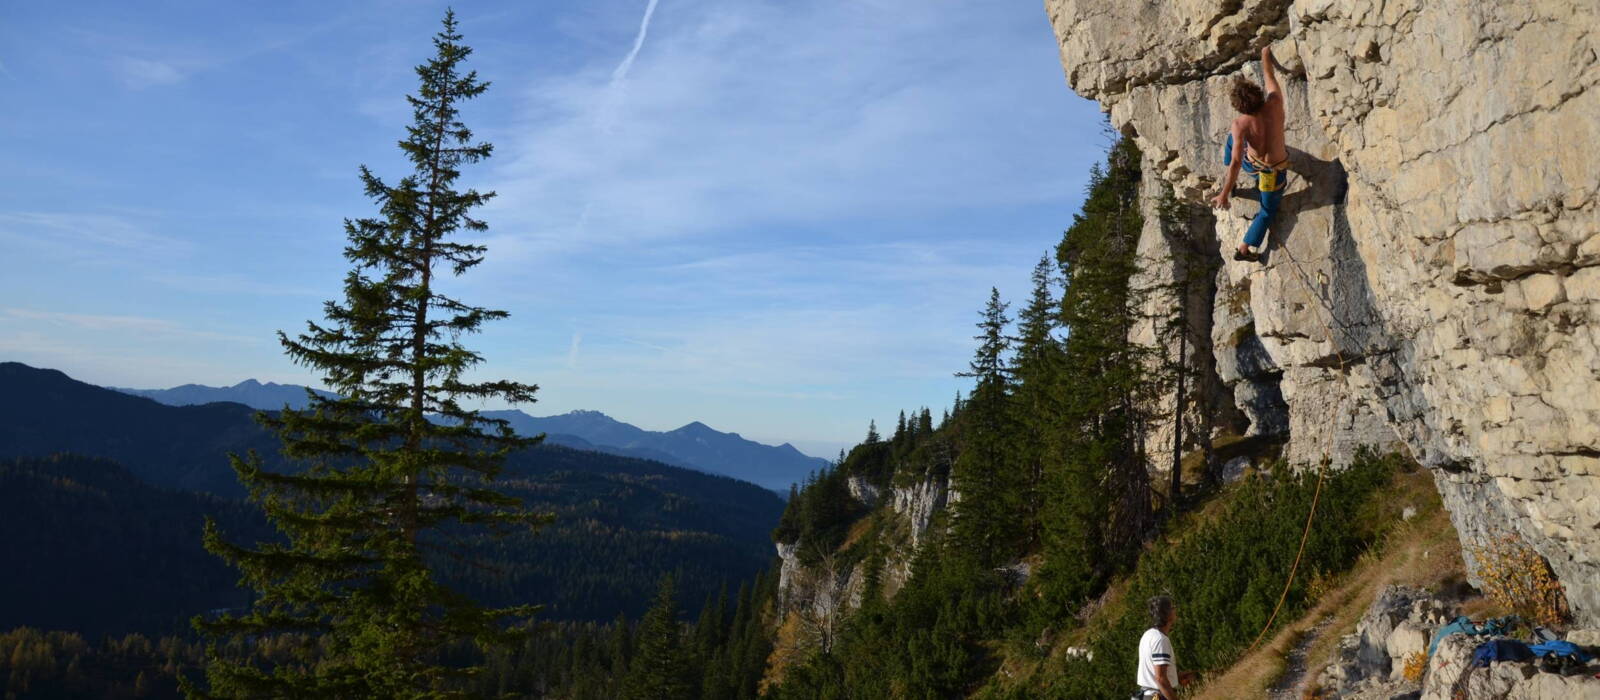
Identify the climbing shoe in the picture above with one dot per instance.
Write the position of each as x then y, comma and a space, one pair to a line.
1247, 257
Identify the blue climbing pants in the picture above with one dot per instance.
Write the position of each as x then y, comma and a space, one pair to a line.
1270, 199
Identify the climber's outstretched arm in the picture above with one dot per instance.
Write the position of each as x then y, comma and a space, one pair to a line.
1270, 76
1234, 159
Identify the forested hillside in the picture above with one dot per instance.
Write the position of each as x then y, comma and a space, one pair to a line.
95, 550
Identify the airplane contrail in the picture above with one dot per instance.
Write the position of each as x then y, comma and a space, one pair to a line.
622, 69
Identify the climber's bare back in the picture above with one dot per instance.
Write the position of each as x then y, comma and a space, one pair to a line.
1262, 132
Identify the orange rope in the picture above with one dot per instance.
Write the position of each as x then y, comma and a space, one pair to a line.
1292, 569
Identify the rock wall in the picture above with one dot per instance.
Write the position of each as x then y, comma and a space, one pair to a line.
863, 491
827, 591
1433, 278
919, 502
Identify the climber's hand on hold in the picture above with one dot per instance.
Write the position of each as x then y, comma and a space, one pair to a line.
1220, 201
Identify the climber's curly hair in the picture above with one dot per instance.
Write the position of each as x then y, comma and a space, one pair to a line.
1246, 96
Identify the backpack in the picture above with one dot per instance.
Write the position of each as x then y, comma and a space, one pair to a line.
1558, 656
1485, 654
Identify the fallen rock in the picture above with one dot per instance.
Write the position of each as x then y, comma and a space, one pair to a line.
1407, 638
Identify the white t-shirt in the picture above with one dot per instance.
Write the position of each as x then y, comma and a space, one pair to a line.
1156, 650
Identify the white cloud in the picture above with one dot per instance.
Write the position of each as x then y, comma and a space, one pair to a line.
572, 350
87, 237
141, 73
233, 283
129, 326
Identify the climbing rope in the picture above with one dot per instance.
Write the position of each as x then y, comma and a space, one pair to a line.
1322, 467
1316, 495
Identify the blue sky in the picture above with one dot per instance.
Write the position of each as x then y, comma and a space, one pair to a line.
777, 218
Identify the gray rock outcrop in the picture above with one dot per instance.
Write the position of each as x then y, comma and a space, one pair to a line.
862, 490
1433, 278
1370, 660
919, 502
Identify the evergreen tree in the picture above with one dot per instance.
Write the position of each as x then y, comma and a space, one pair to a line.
788, 529
1098, 490
900, 430
620, 646
350, 587
660, 664
984, 524
1193, 279
872, 576
872, 436
1034, 368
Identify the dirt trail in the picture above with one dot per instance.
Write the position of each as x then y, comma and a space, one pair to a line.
1292, 685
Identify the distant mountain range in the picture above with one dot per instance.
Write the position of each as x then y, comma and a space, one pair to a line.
270, 396
101, 488
695, 446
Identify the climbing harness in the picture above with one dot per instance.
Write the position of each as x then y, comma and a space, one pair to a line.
1269, 176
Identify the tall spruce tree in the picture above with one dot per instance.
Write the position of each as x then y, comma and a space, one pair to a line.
1098, 490
984, 524
350, 587
1034, 366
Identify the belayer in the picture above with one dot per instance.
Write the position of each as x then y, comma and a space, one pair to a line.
1157, 673
1255, 143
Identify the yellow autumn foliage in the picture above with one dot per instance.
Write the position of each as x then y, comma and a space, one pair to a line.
1518, 578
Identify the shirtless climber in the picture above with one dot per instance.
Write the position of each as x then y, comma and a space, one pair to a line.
1255, 142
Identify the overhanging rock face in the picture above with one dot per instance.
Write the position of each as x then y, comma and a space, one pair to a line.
1433, 278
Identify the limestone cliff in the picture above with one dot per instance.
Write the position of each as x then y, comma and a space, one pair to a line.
1433, 279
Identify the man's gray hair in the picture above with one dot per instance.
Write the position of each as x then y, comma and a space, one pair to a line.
1160, 610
